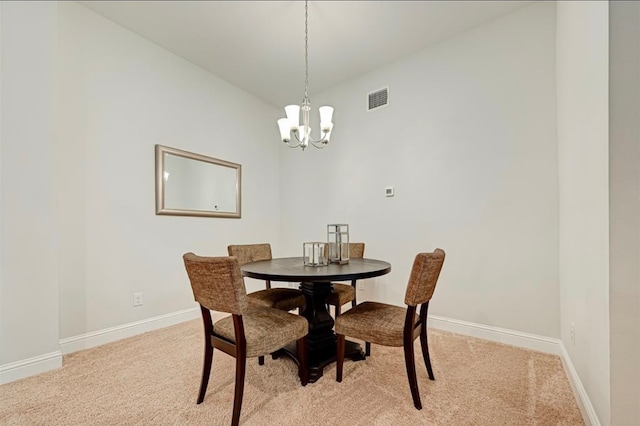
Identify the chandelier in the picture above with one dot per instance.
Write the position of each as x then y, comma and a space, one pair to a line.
292, 133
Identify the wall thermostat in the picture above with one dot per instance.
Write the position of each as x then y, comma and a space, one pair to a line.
388, 191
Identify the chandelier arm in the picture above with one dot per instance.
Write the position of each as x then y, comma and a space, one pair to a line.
292, 146
296, 143
295, 135
321, 140
319, 144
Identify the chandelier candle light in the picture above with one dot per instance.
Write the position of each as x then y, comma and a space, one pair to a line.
290, 127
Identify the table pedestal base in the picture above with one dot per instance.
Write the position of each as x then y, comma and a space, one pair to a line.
321, 340
319, 359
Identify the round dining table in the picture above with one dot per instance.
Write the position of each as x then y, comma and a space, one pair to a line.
315, 284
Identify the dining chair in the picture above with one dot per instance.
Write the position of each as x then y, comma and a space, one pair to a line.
249, 331
286, 299
390, 325
345, 293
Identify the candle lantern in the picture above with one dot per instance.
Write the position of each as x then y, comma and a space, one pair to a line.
315, 254
338, 239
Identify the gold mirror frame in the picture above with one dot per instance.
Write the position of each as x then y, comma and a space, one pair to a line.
173, 210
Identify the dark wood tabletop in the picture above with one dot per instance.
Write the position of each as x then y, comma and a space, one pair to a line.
293, 269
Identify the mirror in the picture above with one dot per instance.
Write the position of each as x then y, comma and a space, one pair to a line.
189, 184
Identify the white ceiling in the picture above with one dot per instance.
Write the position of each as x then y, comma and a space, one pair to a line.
259, 45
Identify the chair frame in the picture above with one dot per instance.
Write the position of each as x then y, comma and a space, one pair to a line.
238, 350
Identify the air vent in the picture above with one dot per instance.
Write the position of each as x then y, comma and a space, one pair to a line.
378, 99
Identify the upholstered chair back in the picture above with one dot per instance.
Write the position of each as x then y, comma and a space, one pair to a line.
217, 283
356, 250
248, 253
424, 276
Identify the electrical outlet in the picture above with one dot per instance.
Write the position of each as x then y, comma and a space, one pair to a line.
137, 299
573, 334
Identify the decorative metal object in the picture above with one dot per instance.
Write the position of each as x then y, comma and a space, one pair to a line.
315, 254
291, 125
338, 239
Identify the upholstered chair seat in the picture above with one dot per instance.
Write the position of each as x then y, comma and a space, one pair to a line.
286, 299
265, 329
374, 322
341, 295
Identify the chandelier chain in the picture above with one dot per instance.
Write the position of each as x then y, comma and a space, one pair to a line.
306, 48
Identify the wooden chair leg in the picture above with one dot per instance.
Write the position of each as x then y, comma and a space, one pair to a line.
367, 349
425, 352
241, 361
206, 370
338, 310
303, 367
355, 294
340, 346
261, 360
411, 373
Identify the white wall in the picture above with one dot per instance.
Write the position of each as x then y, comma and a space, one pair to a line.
469, 142
28, 256
583, 98
83, 104
121, 95
624, 199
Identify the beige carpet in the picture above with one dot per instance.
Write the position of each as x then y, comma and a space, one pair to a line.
153, 379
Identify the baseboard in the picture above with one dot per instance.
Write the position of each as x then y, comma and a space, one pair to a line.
30, 367
108, 335
497, 334
527, 341
43, 363
584, 403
